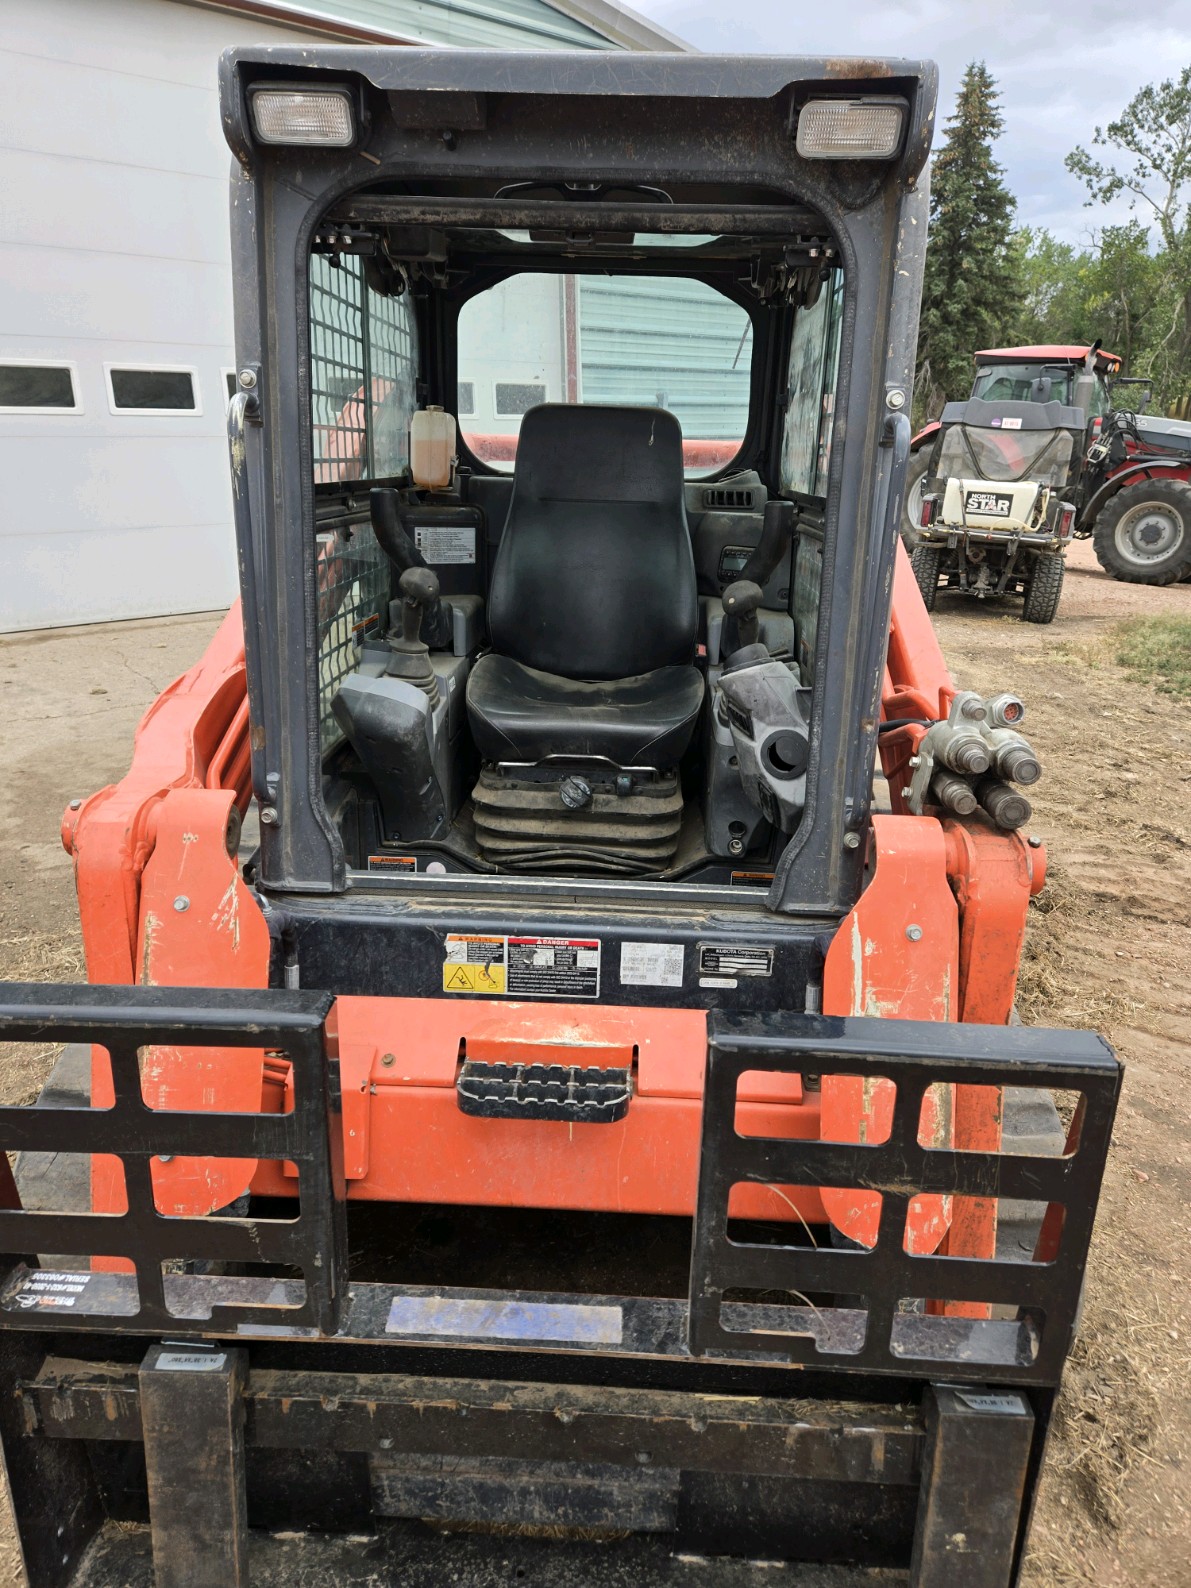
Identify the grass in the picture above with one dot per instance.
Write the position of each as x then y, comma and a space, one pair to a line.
1157, 651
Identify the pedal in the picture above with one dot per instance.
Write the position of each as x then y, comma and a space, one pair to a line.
572, 1093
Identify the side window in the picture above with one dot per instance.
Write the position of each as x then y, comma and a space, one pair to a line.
650, 341
363, 389
28, 387
810, 391
1101, 403
152, 389
363, 373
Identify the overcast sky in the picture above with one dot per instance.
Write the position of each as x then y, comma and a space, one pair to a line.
1062, 68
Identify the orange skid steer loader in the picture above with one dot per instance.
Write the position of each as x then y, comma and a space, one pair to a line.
547, 1100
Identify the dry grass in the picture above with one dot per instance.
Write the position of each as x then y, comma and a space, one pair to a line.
34, 956
1157, 650
1053, 988
1108, 1422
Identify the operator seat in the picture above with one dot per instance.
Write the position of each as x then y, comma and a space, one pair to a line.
592, 611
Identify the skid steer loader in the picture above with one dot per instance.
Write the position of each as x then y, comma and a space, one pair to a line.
546, 1104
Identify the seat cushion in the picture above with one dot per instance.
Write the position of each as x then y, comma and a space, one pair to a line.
595, 577
519, 714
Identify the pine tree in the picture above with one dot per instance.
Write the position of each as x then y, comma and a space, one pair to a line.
972, 263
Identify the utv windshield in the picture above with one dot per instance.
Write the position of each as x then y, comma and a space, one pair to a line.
975, 452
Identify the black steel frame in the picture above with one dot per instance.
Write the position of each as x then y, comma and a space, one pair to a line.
124, 1020
722, 127
872, 1333
849, 1433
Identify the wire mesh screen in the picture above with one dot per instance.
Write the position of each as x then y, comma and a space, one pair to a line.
390, 341
363, 371
338, 369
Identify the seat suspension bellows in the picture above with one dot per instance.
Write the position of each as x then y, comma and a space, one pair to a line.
605, 821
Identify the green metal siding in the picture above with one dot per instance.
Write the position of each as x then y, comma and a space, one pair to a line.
497, 24
636, 339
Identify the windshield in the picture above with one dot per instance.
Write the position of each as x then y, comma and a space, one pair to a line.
1020, 383
655, 342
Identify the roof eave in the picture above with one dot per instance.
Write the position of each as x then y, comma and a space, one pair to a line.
619, 24
279, 14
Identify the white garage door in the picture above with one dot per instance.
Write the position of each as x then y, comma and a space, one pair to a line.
115, 310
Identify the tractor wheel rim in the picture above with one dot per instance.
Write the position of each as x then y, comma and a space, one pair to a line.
1149, 532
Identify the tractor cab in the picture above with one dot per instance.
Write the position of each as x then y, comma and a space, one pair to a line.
1077, 376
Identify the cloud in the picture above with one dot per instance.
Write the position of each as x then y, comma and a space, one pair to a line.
1062, 69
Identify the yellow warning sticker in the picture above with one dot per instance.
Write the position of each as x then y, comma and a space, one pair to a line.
475, 964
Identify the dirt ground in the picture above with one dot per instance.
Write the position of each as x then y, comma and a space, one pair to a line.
1109, 946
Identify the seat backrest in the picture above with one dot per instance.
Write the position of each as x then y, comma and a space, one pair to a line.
595, 577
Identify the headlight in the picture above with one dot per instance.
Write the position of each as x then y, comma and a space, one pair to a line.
850, 129
283, 113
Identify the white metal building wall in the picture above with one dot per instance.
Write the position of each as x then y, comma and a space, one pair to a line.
114, 248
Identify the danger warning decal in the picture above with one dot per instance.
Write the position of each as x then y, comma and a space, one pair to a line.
554, 967
522, 967
474, 965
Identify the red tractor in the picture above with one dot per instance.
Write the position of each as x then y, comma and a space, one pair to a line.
1132, 483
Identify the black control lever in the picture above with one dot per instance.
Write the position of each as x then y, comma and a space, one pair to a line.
384, 506
409, 656
741, 603
781, 519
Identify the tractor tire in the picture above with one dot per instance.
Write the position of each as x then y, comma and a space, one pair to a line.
1044, 586
916, 472
1143, 535
926, 562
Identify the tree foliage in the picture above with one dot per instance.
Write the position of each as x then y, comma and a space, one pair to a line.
1106, 291
1148, 157
973, 264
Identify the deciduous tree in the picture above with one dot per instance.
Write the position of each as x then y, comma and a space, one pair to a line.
1148, 157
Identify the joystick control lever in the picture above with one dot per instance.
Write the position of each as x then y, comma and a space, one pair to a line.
742, 601
385, 510
409, 654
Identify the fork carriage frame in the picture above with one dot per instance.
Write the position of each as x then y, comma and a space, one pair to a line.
890, 1433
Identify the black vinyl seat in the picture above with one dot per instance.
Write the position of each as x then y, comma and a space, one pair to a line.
592, 611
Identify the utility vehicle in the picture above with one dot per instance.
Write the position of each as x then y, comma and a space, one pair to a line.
992, 518
550, 1106
1130, 481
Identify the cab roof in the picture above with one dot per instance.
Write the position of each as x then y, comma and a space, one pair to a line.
1049, 353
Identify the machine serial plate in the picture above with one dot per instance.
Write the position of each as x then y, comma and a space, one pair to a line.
735, 959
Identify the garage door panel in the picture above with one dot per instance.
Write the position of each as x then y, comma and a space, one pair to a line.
127, 298
79, 578
97, 208
107, 483
91, 115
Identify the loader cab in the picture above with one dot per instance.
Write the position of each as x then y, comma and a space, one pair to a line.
584, 632
602, 486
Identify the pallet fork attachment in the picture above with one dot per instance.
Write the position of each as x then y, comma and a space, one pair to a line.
181, 1391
